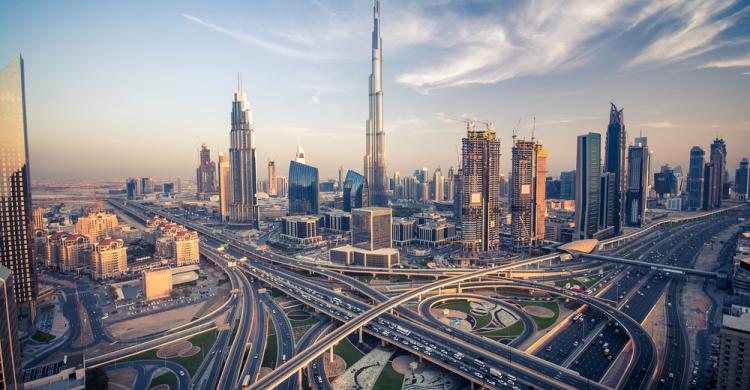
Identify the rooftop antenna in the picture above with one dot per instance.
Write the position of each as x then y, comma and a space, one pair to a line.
515, 129
239, 82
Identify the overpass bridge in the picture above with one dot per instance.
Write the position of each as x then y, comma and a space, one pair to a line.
719, 276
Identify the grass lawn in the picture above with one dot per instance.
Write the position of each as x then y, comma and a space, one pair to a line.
310, 321
167, 378
513, 330
42, 337
541, 322
462, 306
592, 280
564, 283
388, 379
275, 292
204, 340
348, 352
269, 356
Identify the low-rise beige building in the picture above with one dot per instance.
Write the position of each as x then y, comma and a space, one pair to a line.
110, 259
186, 248
157, 284
97, 226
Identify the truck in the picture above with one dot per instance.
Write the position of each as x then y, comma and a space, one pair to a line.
496, 373
403, 331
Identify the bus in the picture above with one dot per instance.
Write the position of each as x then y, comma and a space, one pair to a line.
403, 331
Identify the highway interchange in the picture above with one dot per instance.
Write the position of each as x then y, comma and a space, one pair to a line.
572, 357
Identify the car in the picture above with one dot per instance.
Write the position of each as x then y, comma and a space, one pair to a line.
182, 373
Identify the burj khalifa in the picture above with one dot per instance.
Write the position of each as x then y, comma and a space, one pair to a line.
375, 167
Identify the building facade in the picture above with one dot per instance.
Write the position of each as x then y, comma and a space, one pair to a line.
588, 181
568, 185
733, 366
157, 283
110, 259
719, 160
186, 247
637, 193
695, 179
205, 180
614, 163
356, 191
480, 192
225, 187
16, 251
243, 209
371, 228
97, 226
272, 184
741, 180
527, 194
10, 352
304, 193
301, 229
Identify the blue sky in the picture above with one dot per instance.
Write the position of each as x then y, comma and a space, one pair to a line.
133, 88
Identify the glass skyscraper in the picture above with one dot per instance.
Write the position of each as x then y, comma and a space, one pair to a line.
695, 178
303, 189
242, 163
614, 162
356, 191
588, 180
638, 180
15, 197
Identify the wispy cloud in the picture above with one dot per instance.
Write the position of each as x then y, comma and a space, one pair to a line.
729, 63
256, 41
659, 125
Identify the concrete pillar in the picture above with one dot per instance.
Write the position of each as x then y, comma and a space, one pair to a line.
458, 289
331, 358
360, 335
299, 379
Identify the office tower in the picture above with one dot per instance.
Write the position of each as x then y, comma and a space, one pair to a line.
205, 181
424, 192
131, 188
614, 162
709, 186
10, 351
665, 182
303, 189
695, 179
741, 180
16, 251
147, 185
272, 191
282, 186
242, 163
480, 192
340, 187
375, 165
110, 259
179, 185
185, 247
552, 188
637, 193
568, 185
398, 187
527, 193
356, 191
38, 220
719, 159
733, 365
168, 188
371, 228
225, 187
97, 226
438, 185
588, 181
607, 188
450, 185
457, 188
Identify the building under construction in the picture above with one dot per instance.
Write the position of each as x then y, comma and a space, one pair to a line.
480, 192
527, 197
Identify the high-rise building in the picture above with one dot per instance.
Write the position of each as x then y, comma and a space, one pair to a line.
356, 191
719, 159
527, 193
665, 182
16, 251
299, 155
10, 351
614, 162
341, 180
480, 192
74, 252
168, 188
225, 187
282, 186
371, 228
733, 366
741, 180
450, 185
38, 218
147, 185
304, 193
131, 188
97, 226
272, 185
588, 181
110, 259
186, 245
205, 181
695, 179
637, 194
568, 185
374, 160
709, 185
438, 185
242, 161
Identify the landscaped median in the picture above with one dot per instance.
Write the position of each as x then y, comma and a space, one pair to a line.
187, 353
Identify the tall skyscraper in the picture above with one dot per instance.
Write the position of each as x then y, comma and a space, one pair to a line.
356, 191
282, 186
371, 228
242, 158
341, 179
568, 185
205, 181
733, 361
131, 188
588, 181
225, 187
304, 190
614, 162
741, 180
450, 185
375, 165
438, 185
527, 193
719, 159
10, 352
480, 192
16, 251
695, 179
147, 185
709, 186
638, 175
665, 182
272, 189
299, 155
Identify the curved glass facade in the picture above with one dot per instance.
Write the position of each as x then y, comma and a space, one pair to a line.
303, 189
356, 191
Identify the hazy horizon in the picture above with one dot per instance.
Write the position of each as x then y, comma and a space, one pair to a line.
133, 89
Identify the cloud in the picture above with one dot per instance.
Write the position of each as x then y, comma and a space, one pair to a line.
730, 63
659, 125
255, 41
318, 91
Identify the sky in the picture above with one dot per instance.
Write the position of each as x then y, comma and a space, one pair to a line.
118, 89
